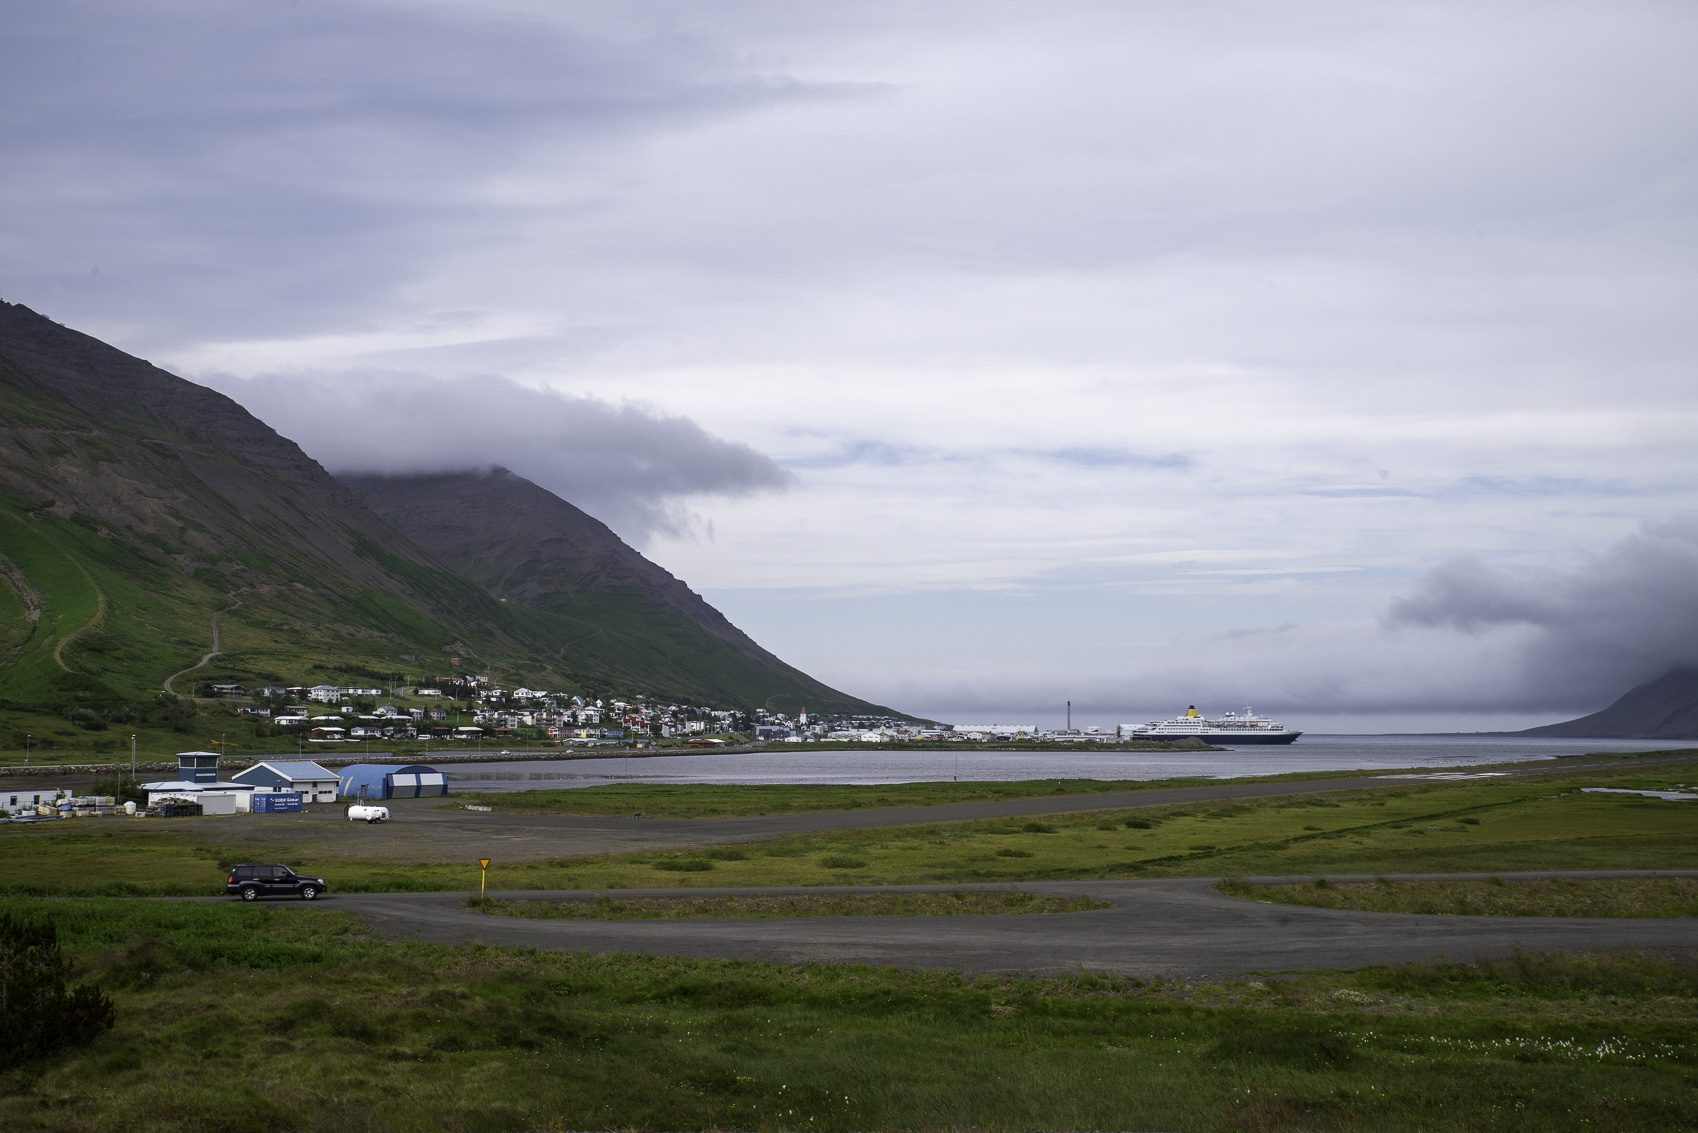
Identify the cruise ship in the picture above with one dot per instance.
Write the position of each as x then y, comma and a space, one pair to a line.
1231, 730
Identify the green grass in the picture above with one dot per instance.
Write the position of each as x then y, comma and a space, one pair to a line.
976, 902
714, 800
1556, 897
1539, 821
236, 1018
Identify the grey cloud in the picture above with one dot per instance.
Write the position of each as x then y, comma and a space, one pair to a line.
628, 465
270, 169
1620, 618
1470, 595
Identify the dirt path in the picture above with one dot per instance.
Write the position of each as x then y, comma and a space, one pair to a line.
94, 623
201, 664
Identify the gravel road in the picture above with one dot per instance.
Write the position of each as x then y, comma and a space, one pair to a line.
1156, 927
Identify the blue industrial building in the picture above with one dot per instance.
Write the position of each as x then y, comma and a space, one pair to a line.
387, 781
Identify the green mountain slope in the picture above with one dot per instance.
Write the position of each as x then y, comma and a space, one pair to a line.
622, 615
136, 506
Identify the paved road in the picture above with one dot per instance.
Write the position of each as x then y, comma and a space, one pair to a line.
1156, 927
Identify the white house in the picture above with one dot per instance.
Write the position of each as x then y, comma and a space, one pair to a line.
14, 801
316, 784
324, 694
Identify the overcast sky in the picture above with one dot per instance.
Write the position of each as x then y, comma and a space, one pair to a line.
1337, 358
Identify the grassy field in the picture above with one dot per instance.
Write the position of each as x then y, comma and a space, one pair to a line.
240, 1018
1557, 897
1542, 821
976, 902
720, 800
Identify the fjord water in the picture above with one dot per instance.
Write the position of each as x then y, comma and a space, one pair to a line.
1439, 752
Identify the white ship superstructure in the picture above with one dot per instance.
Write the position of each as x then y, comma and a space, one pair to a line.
1230, 730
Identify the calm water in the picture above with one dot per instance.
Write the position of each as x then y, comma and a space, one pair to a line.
861, 765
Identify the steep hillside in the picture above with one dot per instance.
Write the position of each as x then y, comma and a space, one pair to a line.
1663, 709
626, 615
143, 518
134, 506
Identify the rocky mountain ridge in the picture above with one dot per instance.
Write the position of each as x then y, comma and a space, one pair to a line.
1662, 709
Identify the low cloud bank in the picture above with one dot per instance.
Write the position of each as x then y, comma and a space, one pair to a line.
1620, 618
627, 464
1471, 646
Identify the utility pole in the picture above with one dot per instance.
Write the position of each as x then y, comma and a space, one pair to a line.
1069, 715
26, 750
132, 757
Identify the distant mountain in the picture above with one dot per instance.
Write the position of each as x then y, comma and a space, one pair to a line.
1663, 709
139, 511
628, 617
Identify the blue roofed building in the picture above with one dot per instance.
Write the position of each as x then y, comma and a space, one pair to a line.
316, 784
389, 781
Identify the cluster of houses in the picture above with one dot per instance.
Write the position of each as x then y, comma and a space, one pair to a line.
803, 728
327, 714
883, 729
330, 714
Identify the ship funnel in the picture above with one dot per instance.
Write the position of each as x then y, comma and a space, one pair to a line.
1192, 711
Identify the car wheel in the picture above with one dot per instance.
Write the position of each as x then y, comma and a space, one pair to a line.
308, 892
250, 893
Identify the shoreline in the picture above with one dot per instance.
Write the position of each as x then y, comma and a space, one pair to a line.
526, 755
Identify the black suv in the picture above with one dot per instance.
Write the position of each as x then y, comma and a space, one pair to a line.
251, 882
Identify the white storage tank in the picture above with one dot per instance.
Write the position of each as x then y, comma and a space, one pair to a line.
360, 812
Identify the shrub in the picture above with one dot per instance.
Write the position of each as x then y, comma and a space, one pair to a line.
121, 787
1038, 828
1014, 853
38, 1013
684, 865
1139, 824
